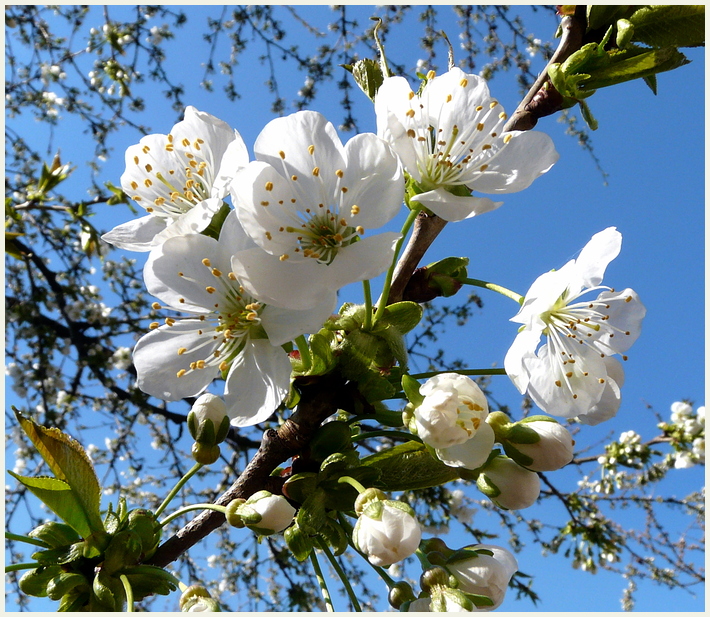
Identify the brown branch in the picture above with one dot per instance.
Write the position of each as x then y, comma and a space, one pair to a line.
319, 399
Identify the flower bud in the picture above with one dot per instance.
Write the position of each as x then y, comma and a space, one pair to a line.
421, 605
447, 600
266, 514
400, 593
196, 599
386, 532
484, 575
508, 485
453, 409
553, 451
208, 421
205, 454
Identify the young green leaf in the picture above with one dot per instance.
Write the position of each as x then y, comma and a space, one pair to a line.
670, 25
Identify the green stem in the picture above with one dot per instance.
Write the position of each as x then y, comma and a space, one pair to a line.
382, 302
352, 482
305, 352
367, 325
421, 555
129, 593
21, 566
26, 539
321, 583
389, 581
336, 566
465, 371
196, 467
406, 436
497, 288
197, 506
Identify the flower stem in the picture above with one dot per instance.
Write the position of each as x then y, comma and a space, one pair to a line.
21, 566
402, 434
195, 468
26, 539
382, 302
352, 482
197, 506
368, 305
465, 371
129, 592
336, 566
305, 352
423, 559
497, 288
321, 583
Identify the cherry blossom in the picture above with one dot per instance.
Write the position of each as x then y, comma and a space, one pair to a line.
307, 202
228, 332
571, 374
179, 179
451, 142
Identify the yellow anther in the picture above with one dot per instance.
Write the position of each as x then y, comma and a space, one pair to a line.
185, 142
410, 113
134, 185
206, 262
316, 171
282, 154
463, 83
311, 149
479, 108
154, 325
294, 177
283, 257
269, 186
155, 305
135, 160
169, 321
502, 115
210, 290
264, 203
448, 98
354, 209
216, 272
223, 366
181, 372
483, 167
411, 133
411, 95
558, 383
268, 235
430, 75
148, 182
339, 173
486, 147
507, 138
159, 201
493, 104
149, 167
359, 229
182, 350
232, 276
200, 364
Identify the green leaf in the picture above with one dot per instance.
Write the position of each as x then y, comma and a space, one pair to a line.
635, 64
602, 15
403, 315
60, 556
411, 389
409, 466
58, 497
670, 25
71, 465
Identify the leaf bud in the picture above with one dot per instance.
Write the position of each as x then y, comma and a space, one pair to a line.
124, 550
65, 582
144, 523
400, 593
55, 534
34, 582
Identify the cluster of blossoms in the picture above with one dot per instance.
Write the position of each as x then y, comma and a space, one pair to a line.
687, 430
244, 281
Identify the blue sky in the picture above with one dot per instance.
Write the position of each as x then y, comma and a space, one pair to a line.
653, 150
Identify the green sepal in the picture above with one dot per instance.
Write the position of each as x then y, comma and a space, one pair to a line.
298, 542
311, 515
670, 25
112, 521
55, 534
34, 582
298, 487
144, 523
387, 417
248, 515
521, 434
335, 536
411, 389
70, 465
323, 360
108, 592
65, 582
479, 600
118, 196
462, 554
439, 595
330, 438
74, 601
487, 487
373, 509
60, 555
215, 226
124, 550
409, 466
520, 458
404, 316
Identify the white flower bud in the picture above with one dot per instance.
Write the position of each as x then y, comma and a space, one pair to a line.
386, 532
508, 485
453, 409
208, 408
275, 511
554, 450
422, 605
485, 575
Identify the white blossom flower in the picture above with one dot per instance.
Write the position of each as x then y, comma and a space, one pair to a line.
180, 179
571, 373
486, 575
386, 532
308, 201
451, 141
275, 511
228, 332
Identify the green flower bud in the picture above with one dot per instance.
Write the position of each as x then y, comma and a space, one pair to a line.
298, 542
34, 582
371, 494
400, 593
145, 525
266, 513
203, 454
432, 577
65, 582
124, 550
193, 592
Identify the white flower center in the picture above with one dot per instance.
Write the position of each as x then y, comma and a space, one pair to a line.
177, 189
322, 235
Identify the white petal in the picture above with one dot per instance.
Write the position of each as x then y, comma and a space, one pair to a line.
610, 401
283, 325
597, 254
233, 238
193, 221
624, 316
184, 254
257, 383
235, 158
157, 360
362, 260
522, 349
454, 208
375, 182
136, 235
296, 286
472, 453
544, 294
528, 155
